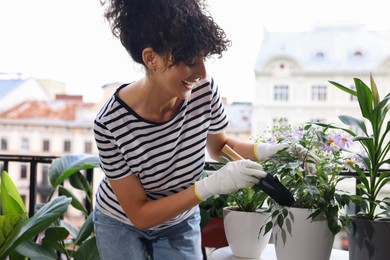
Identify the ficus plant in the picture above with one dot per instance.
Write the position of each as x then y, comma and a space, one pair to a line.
46, 235
311, 177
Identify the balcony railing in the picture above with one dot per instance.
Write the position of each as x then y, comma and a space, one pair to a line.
34, 160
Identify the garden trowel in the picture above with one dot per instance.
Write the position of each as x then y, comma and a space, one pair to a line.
270, 184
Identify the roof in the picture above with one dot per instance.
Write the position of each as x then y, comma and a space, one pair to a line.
327, 48
37, 109
8, 85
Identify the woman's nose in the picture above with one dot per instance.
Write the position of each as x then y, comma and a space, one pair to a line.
201, 69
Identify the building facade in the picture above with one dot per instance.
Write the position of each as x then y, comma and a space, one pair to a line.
46, 128
293, 71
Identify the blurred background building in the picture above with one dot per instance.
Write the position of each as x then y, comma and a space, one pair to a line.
293, 69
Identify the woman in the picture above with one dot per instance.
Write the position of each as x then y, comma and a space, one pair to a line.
152, 134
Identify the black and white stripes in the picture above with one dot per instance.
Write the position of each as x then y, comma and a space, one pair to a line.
167, 157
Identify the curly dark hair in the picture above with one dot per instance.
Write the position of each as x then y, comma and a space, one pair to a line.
181, 28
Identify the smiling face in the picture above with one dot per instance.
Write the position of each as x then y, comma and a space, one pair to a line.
177, 81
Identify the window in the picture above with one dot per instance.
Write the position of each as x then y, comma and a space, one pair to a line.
46, 146
45, 174
320, 55
358, 53
317, 120
88, 147
25, 146
352, 97
281, 93
23, 197
23, 171
67, 146
4, 144
318, 93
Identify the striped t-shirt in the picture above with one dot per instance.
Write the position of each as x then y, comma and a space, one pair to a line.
167, 156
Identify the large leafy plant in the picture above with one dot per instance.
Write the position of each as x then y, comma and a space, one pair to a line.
373, 135
45, 235
311, 176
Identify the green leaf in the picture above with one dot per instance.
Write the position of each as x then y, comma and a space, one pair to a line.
75, 202
364, 96
35, 251
268, 227
12, 203
10, 226
351, 121
280, 220
87, 251
86, 230
374, 89
343, 88
72, 229
80, 182
56, 233
46, 215
65, 166
336, 127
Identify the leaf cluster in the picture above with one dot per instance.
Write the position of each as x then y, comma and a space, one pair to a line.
45, 235
314, 189
373, 134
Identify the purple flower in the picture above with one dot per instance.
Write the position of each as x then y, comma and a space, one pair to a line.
330, 142
343, 140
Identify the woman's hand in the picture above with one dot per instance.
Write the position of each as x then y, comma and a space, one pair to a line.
234, 175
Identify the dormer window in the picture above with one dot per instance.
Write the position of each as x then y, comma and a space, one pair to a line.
358, 54
320, 55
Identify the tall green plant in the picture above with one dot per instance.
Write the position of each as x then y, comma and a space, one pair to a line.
59, 237
374, 137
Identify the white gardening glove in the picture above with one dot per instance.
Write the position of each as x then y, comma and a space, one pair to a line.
233, 176
264, 151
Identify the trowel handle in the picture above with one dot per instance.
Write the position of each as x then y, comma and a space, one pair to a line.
231, 153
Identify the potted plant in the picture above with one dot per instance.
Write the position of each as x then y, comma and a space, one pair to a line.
242, 211
311, 173
369, 233
243, 220
45, 235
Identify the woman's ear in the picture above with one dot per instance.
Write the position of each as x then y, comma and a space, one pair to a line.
149, 58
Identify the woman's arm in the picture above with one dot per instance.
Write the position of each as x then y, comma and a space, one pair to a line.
215, 143
145, 214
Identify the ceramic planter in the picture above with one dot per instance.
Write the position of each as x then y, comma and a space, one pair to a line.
243, 232
303, 239
370, 240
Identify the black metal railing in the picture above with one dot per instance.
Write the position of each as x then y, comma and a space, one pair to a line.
33, 161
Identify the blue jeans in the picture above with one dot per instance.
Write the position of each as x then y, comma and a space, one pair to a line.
117, 240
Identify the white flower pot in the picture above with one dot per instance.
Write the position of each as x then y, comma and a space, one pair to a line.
302, 238
243, 232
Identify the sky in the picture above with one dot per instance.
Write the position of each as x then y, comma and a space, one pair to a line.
69, 40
